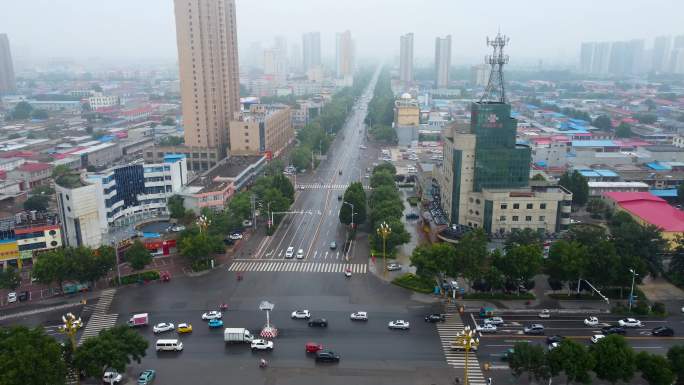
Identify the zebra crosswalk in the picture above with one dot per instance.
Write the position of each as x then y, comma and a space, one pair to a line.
456, 359
296, 266
326, 186
97, 323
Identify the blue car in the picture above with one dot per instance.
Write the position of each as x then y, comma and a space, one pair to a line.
216, 323
146, 377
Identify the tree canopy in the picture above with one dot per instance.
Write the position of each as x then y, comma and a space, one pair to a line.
615, 359
30, 357
138, 256
111, 348
578, 185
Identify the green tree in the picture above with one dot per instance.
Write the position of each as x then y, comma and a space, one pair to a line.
383, 133
539, 178
654, 368
521, 263
385, 166
356, 196
86, 265
284, 185
603, 122
675, 356
624, 130
301, 157
573, 359
21, 111
37, 202
171, 141
647, 118
51, 267
578, 185
568, 261
631, 239
530, 359
168, 121
382, 194
112, 348
43, 190
676, 269
381, 178
680, 193
10, 279
30, 357
240, 205
39, 114
138, 256
471, 256
176, 208
615, 359
198, 247
523, 237
430, 260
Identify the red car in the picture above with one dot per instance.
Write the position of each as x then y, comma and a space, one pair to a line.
313, 347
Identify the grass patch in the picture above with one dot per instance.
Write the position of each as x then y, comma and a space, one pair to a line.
499, 296
415, 283
612, 293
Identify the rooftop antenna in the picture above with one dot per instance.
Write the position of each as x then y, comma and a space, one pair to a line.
495, 91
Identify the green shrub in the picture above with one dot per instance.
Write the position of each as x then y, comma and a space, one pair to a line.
413, 282
658, 308
499, 295
135, 278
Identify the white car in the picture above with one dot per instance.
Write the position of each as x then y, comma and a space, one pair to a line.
486, 328
597, 337
163, 327
591, 321
398, 324
12, 297
212, 315
359, 316
494, 321
289, 253
112, 378
554, 345
262, 345
300, 254
545, 314
629, 323
301, 314
235, 236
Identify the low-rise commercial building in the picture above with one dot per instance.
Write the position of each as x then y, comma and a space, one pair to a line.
262, 129
26, 235
96, 202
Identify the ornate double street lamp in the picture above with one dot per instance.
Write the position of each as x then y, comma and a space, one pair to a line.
384, 232
467, 340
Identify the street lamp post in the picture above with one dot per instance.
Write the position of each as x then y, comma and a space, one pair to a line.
468, 341
70, 327
384, 232
346, 256
631, 292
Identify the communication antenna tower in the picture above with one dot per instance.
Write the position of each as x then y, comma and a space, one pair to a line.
495, 91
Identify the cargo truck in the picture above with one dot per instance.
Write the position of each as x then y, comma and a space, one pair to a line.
139, 320
237, 335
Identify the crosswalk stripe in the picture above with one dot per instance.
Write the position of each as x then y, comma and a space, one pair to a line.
298, 266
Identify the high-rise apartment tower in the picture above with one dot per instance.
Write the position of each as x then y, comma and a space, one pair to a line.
7, 82
344, 54
406, 58
208, 68
442, 61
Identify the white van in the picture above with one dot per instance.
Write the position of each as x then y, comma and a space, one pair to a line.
289, 253
172, 345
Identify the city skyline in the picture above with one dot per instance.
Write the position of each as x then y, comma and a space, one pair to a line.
147, 33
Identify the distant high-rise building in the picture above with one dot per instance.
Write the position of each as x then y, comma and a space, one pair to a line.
7, 82
406, 58
601, 58
274, 64
661, 53
254, 55
344, 49
208, 70
311, 50
295, 58
479, 75
280, 45
442, 61
587, 57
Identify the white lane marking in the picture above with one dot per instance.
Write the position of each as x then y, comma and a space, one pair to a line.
338, 255
326, 255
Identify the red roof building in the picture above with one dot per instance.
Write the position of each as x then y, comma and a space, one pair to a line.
648, 209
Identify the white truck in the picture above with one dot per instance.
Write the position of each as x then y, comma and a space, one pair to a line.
237, 335
141, 319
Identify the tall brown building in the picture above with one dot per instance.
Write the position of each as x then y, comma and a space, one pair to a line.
208, 60
7, 81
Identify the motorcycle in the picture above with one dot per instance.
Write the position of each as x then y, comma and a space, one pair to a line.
263, 363
223, 306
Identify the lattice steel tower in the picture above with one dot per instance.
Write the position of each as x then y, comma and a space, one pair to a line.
495, 91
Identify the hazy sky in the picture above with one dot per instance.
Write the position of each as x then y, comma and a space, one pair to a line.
144, 29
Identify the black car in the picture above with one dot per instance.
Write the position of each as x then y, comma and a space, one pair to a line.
228, 241
411, 216
555, 338
23, 296
613, 330
435, 318
321, 322
327, 356
339, 197
663, 331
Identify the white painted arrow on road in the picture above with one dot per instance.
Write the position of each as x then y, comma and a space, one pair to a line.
326, 255
316, 253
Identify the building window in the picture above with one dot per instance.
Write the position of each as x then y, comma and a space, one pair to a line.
542, 218
502, 218
528, 218
542, 206
504, 206
477, 201
515, 218
516, 206
477, 212
530, 206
